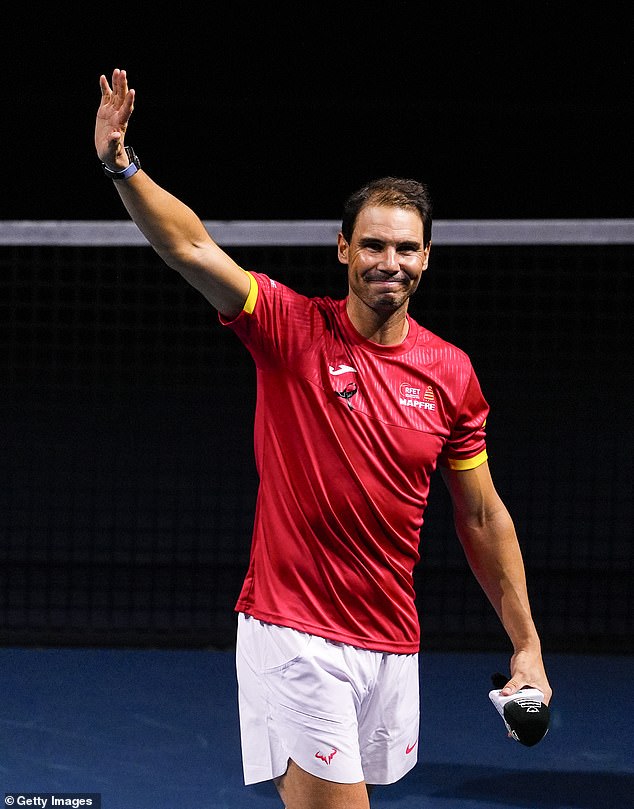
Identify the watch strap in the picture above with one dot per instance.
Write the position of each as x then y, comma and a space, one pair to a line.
128, 171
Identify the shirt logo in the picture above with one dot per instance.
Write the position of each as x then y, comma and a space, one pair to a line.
414, 396
342, 369
347, 393
410, 747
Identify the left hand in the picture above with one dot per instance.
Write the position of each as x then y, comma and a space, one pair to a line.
527, 668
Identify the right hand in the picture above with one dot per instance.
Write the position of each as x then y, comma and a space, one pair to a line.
113, 115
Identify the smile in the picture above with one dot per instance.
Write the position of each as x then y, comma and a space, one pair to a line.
387, 282
382, 278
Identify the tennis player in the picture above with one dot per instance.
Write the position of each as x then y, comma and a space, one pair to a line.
357, 405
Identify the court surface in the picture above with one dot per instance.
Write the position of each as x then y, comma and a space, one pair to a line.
158, 730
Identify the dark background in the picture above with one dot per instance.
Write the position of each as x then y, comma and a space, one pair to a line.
127, 482
518, 110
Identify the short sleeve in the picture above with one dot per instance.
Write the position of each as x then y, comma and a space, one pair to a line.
466, 445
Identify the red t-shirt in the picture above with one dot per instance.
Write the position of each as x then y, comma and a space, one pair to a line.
347, 435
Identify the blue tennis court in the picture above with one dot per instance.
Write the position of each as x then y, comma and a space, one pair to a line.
159, 730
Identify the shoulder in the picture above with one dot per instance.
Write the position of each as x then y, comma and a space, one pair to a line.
270, 287
440, 348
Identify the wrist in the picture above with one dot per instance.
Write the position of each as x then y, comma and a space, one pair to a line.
134, 164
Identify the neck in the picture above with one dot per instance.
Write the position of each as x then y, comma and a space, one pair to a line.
384, 328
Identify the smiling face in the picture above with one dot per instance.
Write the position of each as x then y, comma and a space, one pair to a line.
386, 259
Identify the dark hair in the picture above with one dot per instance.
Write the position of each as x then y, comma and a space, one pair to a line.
395, 192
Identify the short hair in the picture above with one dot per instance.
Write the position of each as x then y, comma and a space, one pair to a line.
395, 192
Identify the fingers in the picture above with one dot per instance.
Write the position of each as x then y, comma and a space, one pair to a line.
125, 94
546, 690
118, 96
119, 82
105, 87
119, 89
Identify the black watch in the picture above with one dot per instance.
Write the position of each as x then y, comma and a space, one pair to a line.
128, 171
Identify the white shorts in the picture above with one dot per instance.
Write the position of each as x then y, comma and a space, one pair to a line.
341, 713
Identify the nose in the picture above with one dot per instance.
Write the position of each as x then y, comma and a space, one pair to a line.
389, 260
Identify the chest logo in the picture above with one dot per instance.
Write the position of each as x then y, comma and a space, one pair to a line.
347, 393
342, 369
414, 396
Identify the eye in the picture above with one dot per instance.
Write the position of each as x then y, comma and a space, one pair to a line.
407, 249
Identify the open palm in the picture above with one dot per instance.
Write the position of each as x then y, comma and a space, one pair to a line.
115, 109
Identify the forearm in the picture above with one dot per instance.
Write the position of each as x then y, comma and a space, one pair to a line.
487, 534
494, 555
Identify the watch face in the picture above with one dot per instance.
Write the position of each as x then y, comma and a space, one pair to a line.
132, 156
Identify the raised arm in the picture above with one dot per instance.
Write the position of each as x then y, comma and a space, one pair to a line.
171, 227
488, 537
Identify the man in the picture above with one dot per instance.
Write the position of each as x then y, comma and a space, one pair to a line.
357, 404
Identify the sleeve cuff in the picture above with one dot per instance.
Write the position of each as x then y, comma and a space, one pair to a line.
249, 304
461, 464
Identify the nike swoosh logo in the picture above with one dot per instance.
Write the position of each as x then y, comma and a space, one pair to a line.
409, 748
342, 369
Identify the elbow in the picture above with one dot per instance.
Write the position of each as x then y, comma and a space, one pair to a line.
484, 519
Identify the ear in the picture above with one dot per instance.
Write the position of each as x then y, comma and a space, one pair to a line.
342, 248
426, 256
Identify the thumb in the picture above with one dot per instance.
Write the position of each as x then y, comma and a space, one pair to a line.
511, 687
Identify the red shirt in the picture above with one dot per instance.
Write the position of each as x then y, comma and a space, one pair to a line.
347, 435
